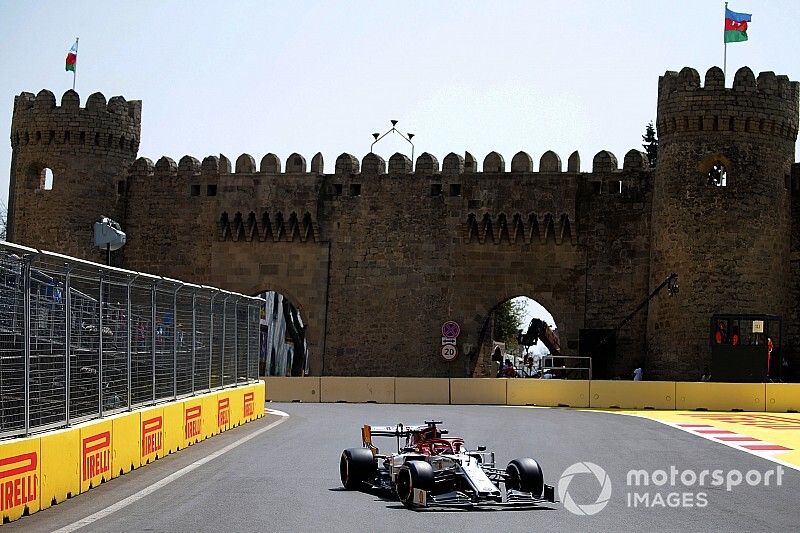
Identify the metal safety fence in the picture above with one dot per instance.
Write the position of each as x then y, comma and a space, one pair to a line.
79, 340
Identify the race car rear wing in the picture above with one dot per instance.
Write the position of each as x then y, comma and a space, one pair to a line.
400, 430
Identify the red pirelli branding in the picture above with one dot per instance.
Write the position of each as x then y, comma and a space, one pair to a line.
96, 455
193, 421
152, 435
223, 412
249, 404
18, 480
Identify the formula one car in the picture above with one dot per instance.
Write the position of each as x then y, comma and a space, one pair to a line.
430, 470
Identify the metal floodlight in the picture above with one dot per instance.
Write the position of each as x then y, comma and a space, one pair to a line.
672, 285
410, 135
376, 135
108, 234
394, 122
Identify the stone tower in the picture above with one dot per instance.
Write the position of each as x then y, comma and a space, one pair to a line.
721, 211
89, 152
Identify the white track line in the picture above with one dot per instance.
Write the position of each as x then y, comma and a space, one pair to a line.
170, 478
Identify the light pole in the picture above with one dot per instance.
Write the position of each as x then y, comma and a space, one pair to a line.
406, 137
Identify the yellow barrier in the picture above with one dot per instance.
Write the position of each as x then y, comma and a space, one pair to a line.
20, 477
783, 397
37, 472
151, 434
469, 391
60, 466
174, 427
720, 396
435, 391
279, 389
548, 392
127, 437
95, 453
632, 394
356, 390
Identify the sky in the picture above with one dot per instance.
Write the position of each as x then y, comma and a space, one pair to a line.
257, 77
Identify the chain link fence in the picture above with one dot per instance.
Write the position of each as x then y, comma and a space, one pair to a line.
79, 340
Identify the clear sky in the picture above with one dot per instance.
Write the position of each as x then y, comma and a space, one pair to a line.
257, 77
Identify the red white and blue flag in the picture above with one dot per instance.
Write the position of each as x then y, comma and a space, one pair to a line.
72, 57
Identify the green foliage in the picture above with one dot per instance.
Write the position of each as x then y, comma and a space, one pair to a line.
508, 321
650, 144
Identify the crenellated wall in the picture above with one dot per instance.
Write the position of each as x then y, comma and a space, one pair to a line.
378, 254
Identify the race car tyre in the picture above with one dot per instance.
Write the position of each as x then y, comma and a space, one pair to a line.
413, 475
356, 466
525, 475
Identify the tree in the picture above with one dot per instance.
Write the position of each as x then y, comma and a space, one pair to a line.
650, 144
507, 322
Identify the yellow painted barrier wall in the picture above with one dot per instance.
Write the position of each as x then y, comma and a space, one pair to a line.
60, 466
632, 394
783, 397
356, 390
548, 392
280, 389
20, 477
720, 396
478, 391
151, 434
39, 471
126, 456
434, 391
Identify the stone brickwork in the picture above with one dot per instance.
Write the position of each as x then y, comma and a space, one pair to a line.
377, 255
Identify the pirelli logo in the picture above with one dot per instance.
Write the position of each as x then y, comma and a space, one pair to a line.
18, 480
249, 404
152, 435
96, 455
193, 422
223, 412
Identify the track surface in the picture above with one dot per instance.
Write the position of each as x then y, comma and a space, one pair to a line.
286, 479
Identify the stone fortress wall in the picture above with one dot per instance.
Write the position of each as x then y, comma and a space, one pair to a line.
377, 256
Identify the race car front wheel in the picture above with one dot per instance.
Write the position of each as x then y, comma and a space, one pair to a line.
413, 475
525, 475
356, 466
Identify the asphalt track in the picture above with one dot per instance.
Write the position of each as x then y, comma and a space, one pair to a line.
286, 478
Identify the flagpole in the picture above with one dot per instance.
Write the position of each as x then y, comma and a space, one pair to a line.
725, 53
75, 70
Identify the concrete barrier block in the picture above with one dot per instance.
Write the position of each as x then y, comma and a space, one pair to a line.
720, 396
60, 465
783, 397
422, 390
174, 427
221, 409
632, 394
478, 391
96, 448
356, 390
261, 398
549, 392
20, 464
127, 443
280, 389
151, 434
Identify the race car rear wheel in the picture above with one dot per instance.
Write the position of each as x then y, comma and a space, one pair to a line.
525, 475
413, 475
356, 466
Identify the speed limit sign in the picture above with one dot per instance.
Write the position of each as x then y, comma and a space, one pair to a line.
449, 352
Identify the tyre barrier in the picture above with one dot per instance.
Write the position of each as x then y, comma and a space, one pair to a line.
663, 395
42, 470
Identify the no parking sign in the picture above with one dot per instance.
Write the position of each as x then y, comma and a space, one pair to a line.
450, 332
